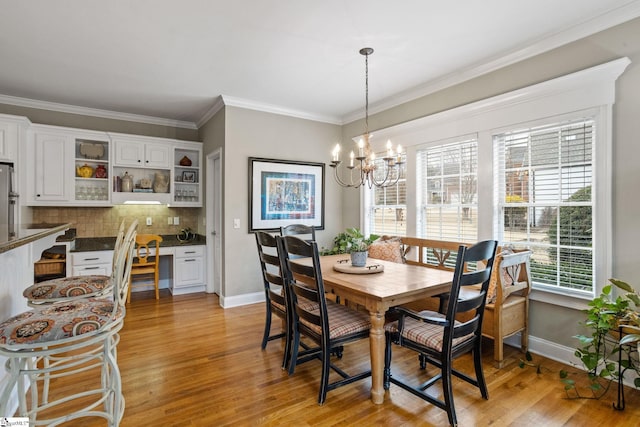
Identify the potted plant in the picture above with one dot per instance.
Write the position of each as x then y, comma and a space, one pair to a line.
614, 323
353, 242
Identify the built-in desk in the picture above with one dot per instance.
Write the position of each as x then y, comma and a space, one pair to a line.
182, 264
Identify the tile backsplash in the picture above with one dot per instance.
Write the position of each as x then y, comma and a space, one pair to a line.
104, 222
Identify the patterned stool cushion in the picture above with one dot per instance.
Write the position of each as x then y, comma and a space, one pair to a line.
58, 321
68, 287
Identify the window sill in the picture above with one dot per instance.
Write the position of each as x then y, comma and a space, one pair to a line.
576, 302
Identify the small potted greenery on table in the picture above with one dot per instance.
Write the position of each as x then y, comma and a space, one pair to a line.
352, 242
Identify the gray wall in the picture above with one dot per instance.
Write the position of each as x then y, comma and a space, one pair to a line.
550, 322
250, 133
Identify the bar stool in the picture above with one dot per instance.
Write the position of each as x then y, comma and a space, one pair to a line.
65, 339
69, 288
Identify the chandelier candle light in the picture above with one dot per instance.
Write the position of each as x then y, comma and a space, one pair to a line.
366, 159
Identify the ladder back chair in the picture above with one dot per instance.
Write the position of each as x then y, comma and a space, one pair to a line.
146, 262
330, 325
299, 230
64, 339
441, 338
274, 292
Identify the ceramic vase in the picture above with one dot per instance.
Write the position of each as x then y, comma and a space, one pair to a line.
359, 259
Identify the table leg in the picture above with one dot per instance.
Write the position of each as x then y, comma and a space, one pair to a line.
376, 348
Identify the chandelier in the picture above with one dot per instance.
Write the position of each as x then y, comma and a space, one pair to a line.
363, 168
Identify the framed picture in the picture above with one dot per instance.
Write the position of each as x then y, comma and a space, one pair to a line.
189, 176
283, 192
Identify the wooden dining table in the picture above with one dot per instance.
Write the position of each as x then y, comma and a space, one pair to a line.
397, 284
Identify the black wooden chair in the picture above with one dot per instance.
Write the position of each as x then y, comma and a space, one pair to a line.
441, 338
330, 326
305, 232
273, 288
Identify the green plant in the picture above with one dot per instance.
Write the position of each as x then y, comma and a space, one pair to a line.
598, 350
605, 315
351, 240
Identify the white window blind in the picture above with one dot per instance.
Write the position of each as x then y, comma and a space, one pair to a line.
545, 180
388, 206
447, 191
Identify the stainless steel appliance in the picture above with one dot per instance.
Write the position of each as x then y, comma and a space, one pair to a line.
8, 199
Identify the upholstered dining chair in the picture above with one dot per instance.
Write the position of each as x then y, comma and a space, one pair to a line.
441, 338
330, 325
147, 261
63, 339
72, 287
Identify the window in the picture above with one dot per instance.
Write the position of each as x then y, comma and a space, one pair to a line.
544, 187
447, 189
388, 206
534, 169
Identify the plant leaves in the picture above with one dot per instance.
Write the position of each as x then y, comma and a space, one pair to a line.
622, 285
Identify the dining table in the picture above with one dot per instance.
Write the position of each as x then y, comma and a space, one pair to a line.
393, 284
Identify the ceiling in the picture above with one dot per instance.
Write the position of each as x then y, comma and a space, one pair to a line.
174, 60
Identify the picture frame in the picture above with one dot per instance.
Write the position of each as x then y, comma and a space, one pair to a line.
189, 176
283, 192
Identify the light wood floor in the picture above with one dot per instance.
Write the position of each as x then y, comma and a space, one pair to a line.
187, 362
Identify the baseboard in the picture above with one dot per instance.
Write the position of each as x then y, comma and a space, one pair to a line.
239, 300
557, 352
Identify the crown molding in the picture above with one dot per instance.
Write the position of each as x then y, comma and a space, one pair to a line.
269, 108
584, 29
589, 87
217, 106
93, 112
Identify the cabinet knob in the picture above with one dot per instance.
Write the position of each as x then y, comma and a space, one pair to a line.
139, 160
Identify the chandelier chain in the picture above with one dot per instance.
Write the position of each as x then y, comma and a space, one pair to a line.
364, 165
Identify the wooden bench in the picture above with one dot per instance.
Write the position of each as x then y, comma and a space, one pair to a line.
505, 314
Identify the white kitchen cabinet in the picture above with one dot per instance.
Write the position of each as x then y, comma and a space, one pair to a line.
187, 174
141, 152
91, 263
49, 160
189, 269
53, 157
10, 130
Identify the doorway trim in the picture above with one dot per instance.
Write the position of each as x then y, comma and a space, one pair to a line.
213, 205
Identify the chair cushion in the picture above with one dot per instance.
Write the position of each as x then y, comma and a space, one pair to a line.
426, 334
68, 287
343, 321
388, 250
56, 322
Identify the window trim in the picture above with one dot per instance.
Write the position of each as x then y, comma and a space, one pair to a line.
589, 89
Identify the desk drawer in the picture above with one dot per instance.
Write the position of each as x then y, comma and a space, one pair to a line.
91, 258
189, 251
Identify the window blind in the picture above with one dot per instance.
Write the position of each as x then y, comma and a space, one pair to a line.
447, 176
388, 207
545, 178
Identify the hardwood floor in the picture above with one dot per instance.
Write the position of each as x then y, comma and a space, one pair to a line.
185, 361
